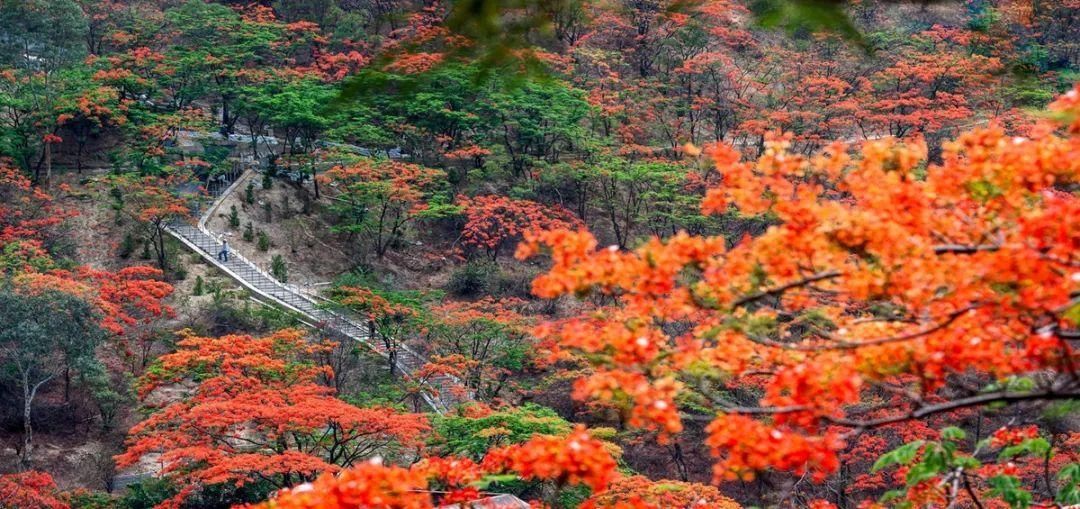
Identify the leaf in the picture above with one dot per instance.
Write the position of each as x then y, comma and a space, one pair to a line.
901, 455
808, 16
953, 433
1034, 446
921, 472
1069, 476
967, 463
1008, 489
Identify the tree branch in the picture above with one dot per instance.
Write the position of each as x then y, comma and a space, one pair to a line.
742, 301
979, 400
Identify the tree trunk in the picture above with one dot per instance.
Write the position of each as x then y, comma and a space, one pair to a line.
48, 165
28, 430
159, 244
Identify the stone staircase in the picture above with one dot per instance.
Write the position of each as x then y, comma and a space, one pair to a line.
311, 309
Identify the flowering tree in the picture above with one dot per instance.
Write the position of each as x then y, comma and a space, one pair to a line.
490, 221
57, 317
257, 415
640, 492
379, 198
30, 490
482, 343
391, 318
944, 285
152, 204
576, 459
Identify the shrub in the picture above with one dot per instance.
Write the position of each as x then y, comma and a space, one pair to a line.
234, 217
278, 268
249, 192
264, 242
127, 246
249, 232
198, 290
286, 208
147, 493
475, 278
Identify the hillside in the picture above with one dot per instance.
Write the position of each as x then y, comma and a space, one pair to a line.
568, 254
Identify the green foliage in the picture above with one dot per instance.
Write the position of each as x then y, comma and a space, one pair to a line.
249, 232
472, 437
249, 193
279, 269
147, 493
473, 279
1008, 488
82, 499
941, 462
1038, 447
234, 217
197, 291
44, 334
899, 456
179, 272
264, 241
1069, 480
41, 33
127, 246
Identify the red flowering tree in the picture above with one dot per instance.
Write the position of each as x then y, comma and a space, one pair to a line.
576, 459
944, 285
934, 84
151, 203
378, 199
390, 318
28, 218
640, 492
30, 490
482, 343
257, 415
491, 221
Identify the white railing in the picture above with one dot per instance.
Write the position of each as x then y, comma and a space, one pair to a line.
337, 322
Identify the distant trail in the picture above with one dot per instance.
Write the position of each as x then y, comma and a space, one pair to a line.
204, 242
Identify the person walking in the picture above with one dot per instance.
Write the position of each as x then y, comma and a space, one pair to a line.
223, 255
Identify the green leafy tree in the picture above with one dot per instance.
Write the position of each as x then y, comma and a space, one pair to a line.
44, 335
378, 199
472, 437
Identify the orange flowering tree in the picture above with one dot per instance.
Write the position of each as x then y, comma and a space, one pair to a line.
256, 416
491, 221
28, 221
378, 199
886, 290
151, 203
576, 459
30, 490
57, 315
932, 85
641, 493
483, 343
391, 317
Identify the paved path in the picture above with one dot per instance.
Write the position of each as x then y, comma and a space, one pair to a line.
204, 242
